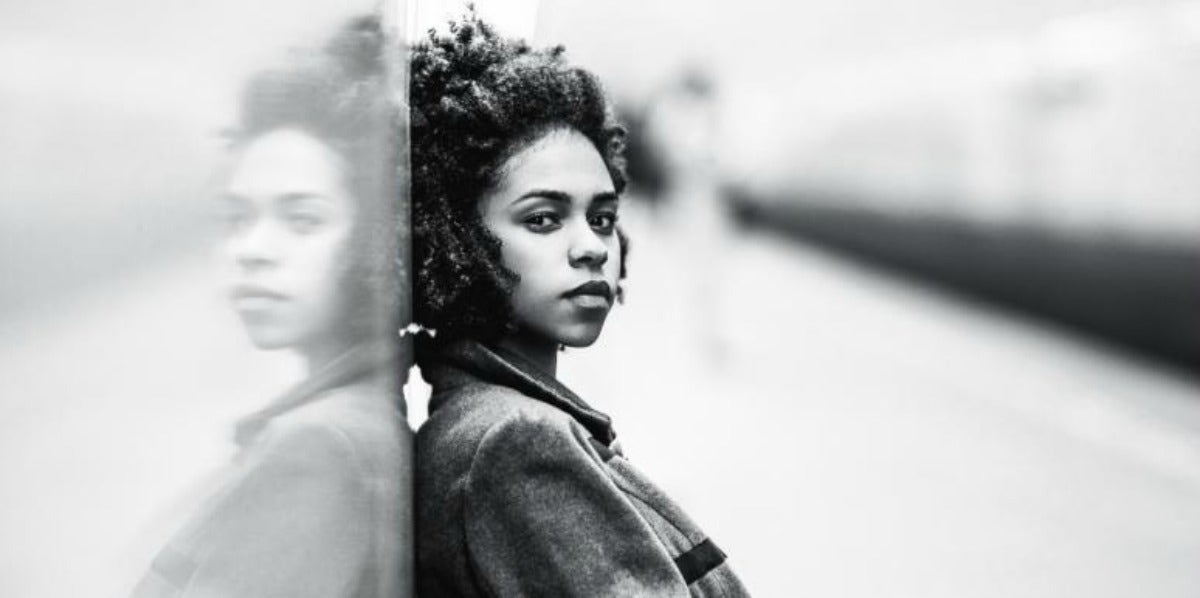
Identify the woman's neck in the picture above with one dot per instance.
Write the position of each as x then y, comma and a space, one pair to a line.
318, 356
537, 350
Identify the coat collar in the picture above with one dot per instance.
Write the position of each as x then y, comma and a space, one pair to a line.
358, 363
464, 362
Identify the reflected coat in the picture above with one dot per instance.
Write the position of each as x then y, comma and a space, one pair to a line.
317, 502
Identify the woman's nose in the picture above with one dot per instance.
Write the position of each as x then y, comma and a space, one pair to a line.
255, 246
587, 249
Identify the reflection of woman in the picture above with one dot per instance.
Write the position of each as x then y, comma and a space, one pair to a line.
317, 502
520, 487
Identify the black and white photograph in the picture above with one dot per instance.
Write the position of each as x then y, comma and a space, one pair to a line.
442, 298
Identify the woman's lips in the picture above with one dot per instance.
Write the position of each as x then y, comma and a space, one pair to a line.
250, 297
591, 294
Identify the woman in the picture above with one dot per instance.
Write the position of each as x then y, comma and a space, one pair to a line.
317, 502
520, 488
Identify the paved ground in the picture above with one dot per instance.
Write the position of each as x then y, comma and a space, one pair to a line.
838, 432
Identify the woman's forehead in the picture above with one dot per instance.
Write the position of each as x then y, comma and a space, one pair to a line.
286, 162
561, 160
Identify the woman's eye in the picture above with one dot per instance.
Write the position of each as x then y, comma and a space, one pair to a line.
604, 222
541, 221
304, 223
234, 220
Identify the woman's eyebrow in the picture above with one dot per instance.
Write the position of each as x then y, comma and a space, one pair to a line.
604, 196
545, 194
297, 197
229, 197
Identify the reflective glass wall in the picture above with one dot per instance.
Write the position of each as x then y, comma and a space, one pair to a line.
199, 251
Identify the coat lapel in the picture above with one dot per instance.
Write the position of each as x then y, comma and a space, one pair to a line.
465, 361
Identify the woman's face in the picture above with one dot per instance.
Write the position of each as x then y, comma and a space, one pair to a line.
289, 216
554, 211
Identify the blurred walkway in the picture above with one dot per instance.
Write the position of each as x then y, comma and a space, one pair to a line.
843, 433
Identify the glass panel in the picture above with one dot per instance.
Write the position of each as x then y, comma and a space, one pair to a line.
204, 264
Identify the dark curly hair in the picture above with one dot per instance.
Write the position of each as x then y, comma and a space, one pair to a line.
477, 99
343, 93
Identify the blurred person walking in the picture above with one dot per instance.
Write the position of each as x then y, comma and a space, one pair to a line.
681, 133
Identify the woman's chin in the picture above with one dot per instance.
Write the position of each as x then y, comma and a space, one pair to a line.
580, 337
269, 339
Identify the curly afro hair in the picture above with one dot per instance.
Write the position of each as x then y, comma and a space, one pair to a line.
477, 99
342, 93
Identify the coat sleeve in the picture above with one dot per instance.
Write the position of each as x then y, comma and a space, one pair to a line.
544, 519
294, 521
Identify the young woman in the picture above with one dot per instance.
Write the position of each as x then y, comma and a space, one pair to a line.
521, 490
318, 501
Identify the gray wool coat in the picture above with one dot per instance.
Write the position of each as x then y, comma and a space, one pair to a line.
520, 492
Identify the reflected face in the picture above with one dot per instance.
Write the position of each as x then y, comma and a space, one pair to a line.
288, 218
555, 212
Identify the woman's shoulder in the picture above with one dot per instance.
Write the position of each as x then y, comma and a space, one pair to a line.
486, 405
467, 414
338, 431
361, 409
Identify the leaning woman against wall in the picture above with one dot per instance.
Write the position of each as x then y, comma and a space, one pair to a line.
521, 487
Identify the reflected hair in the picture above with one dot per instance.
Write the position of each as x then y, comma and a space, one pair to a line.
476, 100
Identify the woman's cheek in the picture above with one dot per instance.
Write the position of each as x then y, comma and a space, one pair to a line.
323, 273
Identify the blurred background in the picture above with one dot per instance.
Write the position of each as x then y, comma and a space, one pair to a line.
913, 305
